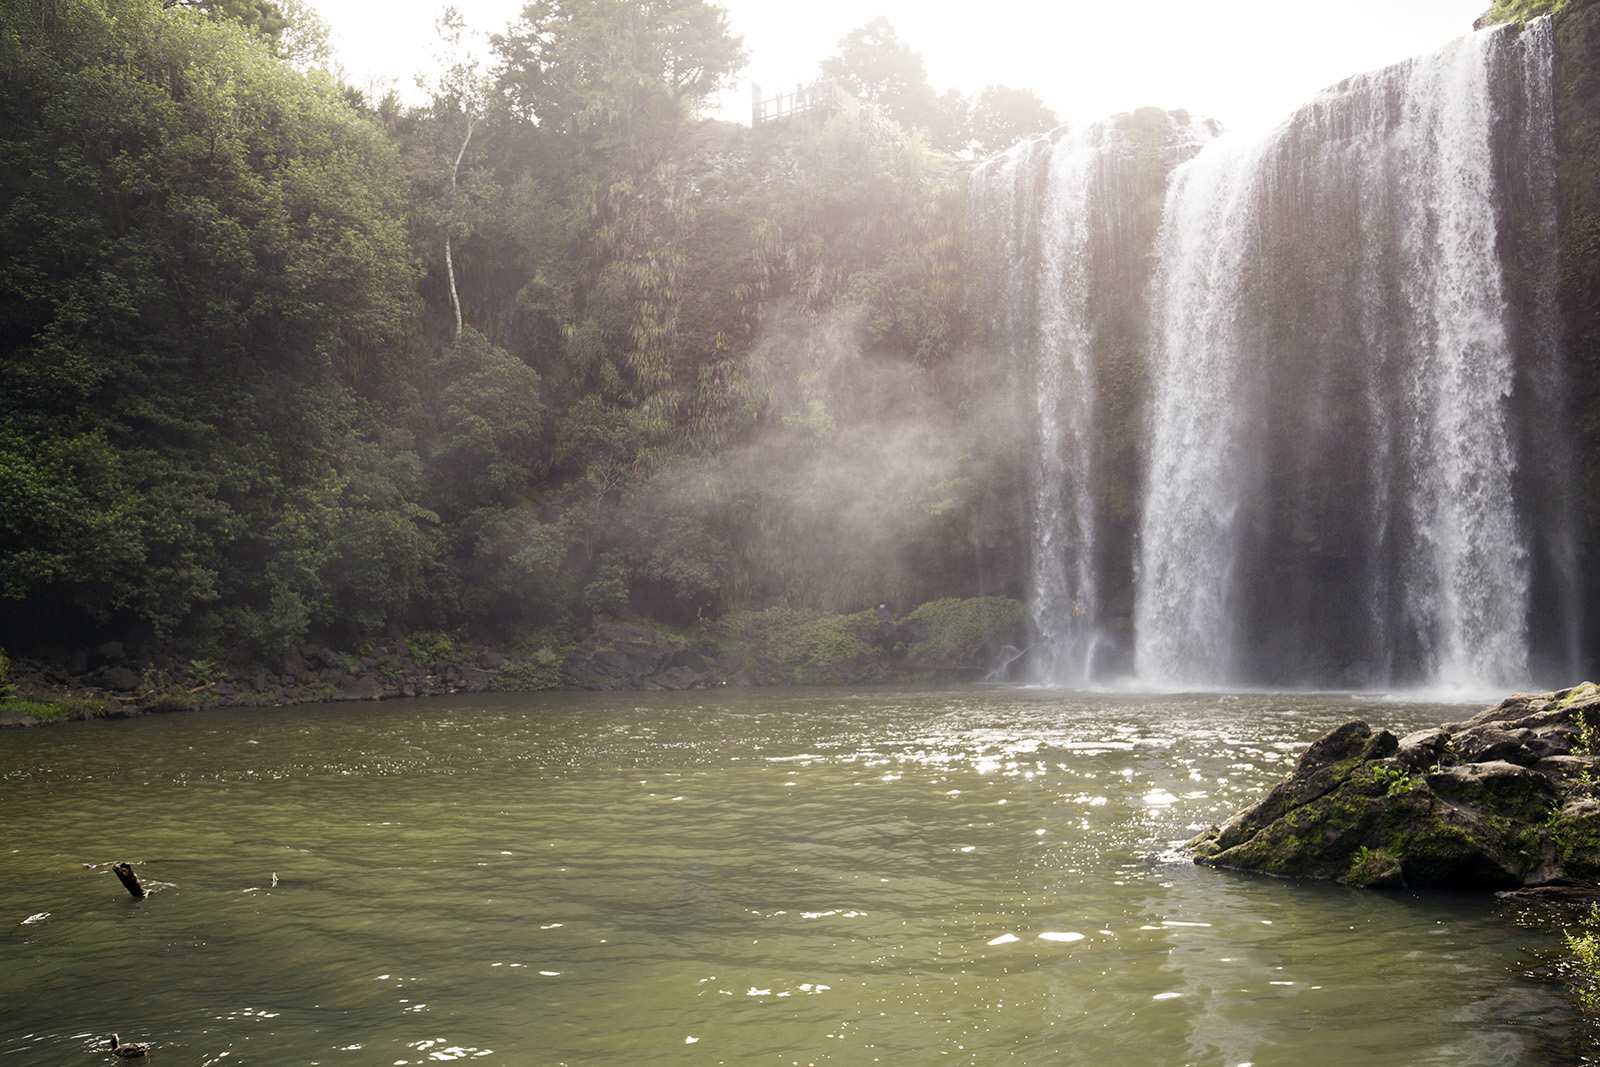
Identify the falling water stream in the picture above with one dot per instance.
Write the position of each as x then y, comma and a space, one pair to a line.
974, 875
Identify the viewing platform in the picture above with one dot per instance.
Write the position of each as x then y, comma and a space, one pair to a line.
822, 98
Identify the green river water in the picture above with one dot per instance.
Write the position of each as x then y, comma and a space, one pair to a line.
976, 875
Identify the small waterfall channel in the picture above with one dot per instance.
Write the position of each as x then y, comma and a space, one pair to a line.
1297, 399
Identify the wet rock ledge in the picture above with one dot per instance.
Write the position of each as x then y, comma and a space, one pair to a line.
1507, 800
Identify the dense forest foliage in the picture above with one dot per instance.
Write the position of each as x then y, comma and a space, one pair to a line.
279, 361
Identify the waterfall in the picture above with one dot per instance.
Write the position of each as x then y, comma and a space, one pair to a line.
1347, 467
1057, 216
1199, 458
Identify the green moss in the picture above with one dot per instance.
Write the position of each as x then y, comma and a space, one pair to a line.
58, 710
1581, 691
1434, 850
1577, 842
42, 710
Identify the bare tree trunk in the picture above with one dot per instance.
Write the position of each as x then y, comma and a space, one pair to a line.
450, 270
449, 258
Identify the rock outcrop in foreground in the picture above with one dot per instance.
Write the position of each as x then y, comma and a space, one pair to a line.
1508, 799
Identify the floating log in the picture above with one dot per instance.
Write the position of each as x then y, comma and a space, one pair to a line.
130, 881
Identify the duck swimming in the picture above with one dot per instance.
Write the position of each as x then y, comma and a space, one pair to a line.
128, 1051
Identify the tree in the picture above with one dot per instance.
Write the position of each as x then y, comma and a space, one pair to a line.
1003, 116
304, 41
291, 28
595, 442
490, 418
875, 65
949, 128
459, 95
615, 71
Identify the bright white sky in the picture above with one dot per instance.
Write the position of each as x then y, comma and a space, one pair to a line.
1248, 63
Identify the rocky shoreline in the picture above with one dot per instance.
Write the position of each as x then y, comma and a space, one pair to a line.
107, 684
943, 641
1507, 800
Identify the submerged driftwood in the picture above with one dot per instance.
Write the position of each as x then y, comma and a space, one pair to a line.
1508, 799
129, 880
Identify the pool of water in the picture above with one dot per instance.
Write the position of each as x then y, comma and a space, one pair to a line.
969, 875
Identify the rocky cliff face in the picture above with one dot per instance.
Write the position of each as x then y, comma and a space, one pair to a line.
1506, 800
1577, 107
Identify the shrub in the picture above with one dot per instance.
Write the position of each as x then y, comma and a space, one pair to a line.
966, 634
426, 646
540, 671
1393, 779
608, 593
802, 646
1585, 948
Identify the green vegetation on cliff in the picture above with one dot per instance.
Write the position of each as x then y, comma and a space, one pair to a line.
1503, 11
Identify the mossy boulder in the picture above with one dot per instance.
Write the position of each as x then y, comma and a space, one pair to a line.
1501, 801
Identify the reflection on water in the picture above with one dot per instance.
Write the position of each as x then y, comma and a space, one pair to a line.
795, 877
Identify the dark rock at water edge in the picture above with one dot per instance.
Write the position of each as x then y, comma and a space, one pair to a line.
629, 656
1505, 800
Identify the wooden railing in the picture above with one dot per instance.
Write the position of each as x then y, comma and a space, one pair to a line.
819, 98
